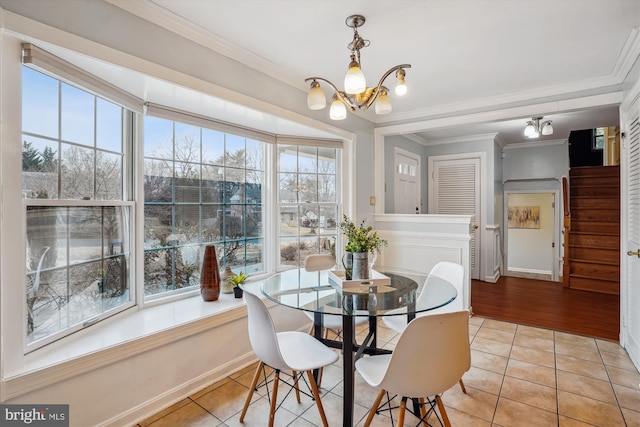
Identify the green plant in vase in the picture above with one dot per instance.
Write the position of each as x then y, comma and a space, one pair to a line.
236, 280
362, 240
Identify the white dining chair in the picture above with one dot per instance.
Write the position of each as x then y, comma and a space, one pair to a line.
452, 273
293, 351
431, 355
449, 271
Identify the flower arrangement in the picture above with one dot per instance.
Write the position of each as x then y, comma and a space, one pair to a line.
361, 238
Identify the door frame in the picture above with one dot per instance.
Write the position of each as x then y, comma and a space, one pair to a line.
399, 151
629, 109
484, 254
557, 220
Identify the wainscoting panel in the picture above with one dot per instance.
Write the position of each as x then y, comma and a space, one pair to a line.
418, 242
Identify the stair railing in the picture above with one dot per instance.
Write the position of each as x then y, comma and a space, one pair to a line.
567, 226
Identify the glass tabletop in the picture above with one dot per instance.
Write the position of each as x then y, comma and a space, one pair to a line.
313, 292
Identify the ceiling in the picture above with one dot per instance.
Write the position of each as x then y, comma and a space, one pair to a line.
469, 57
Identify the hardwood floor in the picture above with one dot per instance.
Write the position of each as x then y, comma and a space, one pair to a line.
548, 305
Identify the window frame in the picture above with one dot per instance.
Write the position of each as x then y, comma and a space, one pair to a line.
126, 202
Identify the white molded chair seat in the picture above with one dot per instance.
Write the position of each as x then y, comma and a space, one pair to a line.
431, 355
283, 351
318, 262
449, 271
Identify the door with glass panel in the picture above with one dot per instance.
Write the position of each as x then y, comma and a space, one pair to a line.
406, 182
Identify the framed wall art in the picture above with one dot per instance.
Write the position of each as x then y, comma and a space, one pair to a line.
523, 217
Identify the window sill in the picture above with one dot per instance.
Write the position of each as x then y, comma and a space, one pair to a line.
132, 332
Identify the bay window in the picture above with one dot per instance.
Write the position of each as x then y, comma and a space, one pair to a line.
110, 195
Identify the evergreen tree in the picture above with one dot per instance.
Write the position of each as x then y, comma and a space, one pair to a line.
49, 160
31, 159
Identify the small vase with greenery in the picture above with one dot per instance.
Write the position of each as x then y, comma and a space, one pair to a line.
362, 240
236, 280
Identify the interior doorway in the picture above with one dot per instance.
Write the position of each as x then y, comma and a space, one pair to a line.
532, 235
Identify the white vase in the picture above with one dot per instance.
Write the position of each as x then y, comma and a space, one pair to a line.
225, 285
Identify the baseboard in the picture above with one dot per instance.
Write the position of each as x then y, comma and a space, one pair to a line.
530, 274
494, 278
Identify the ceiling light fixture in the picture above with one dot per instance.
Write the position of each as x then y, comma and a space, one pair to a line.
534, 128
356, 94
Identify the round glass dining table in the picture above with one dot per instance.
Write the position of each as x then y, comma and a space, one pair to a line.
322, 293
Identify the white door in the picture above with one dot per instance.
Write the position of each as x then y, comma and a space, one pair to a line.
456, 191
406, 182
630, 225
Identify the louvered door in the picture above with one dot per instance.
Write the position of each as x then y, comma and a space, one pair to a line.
456, 191
630, 280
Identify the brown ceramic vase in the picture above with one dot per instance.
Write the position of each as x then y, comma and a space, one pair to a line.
210, 275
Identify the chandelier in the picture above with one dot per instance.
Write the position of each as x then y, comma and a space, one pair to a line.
534, 128
356, 94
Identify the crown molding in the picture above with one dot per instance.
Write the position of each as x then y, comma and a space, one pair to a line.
500, 141
628, 56
461, 139
162, 17
534, 144
416, 138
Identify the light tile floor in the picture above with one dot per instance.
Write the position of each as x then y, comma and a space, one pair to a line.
519, 376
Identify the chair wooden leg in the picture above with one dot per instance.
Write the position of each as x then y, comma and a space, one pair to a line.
320, 377
256, 377
316, 395
374, 407
443, 412
403, 409
464, 390
295, 385
274, 398
423, 410
325, 335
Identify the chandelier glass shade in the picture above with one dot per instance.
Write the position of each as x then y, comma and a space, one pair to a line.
356, 95
534, 128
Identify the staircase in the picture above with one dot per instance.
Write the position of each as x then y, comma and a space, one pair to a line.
594, 232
